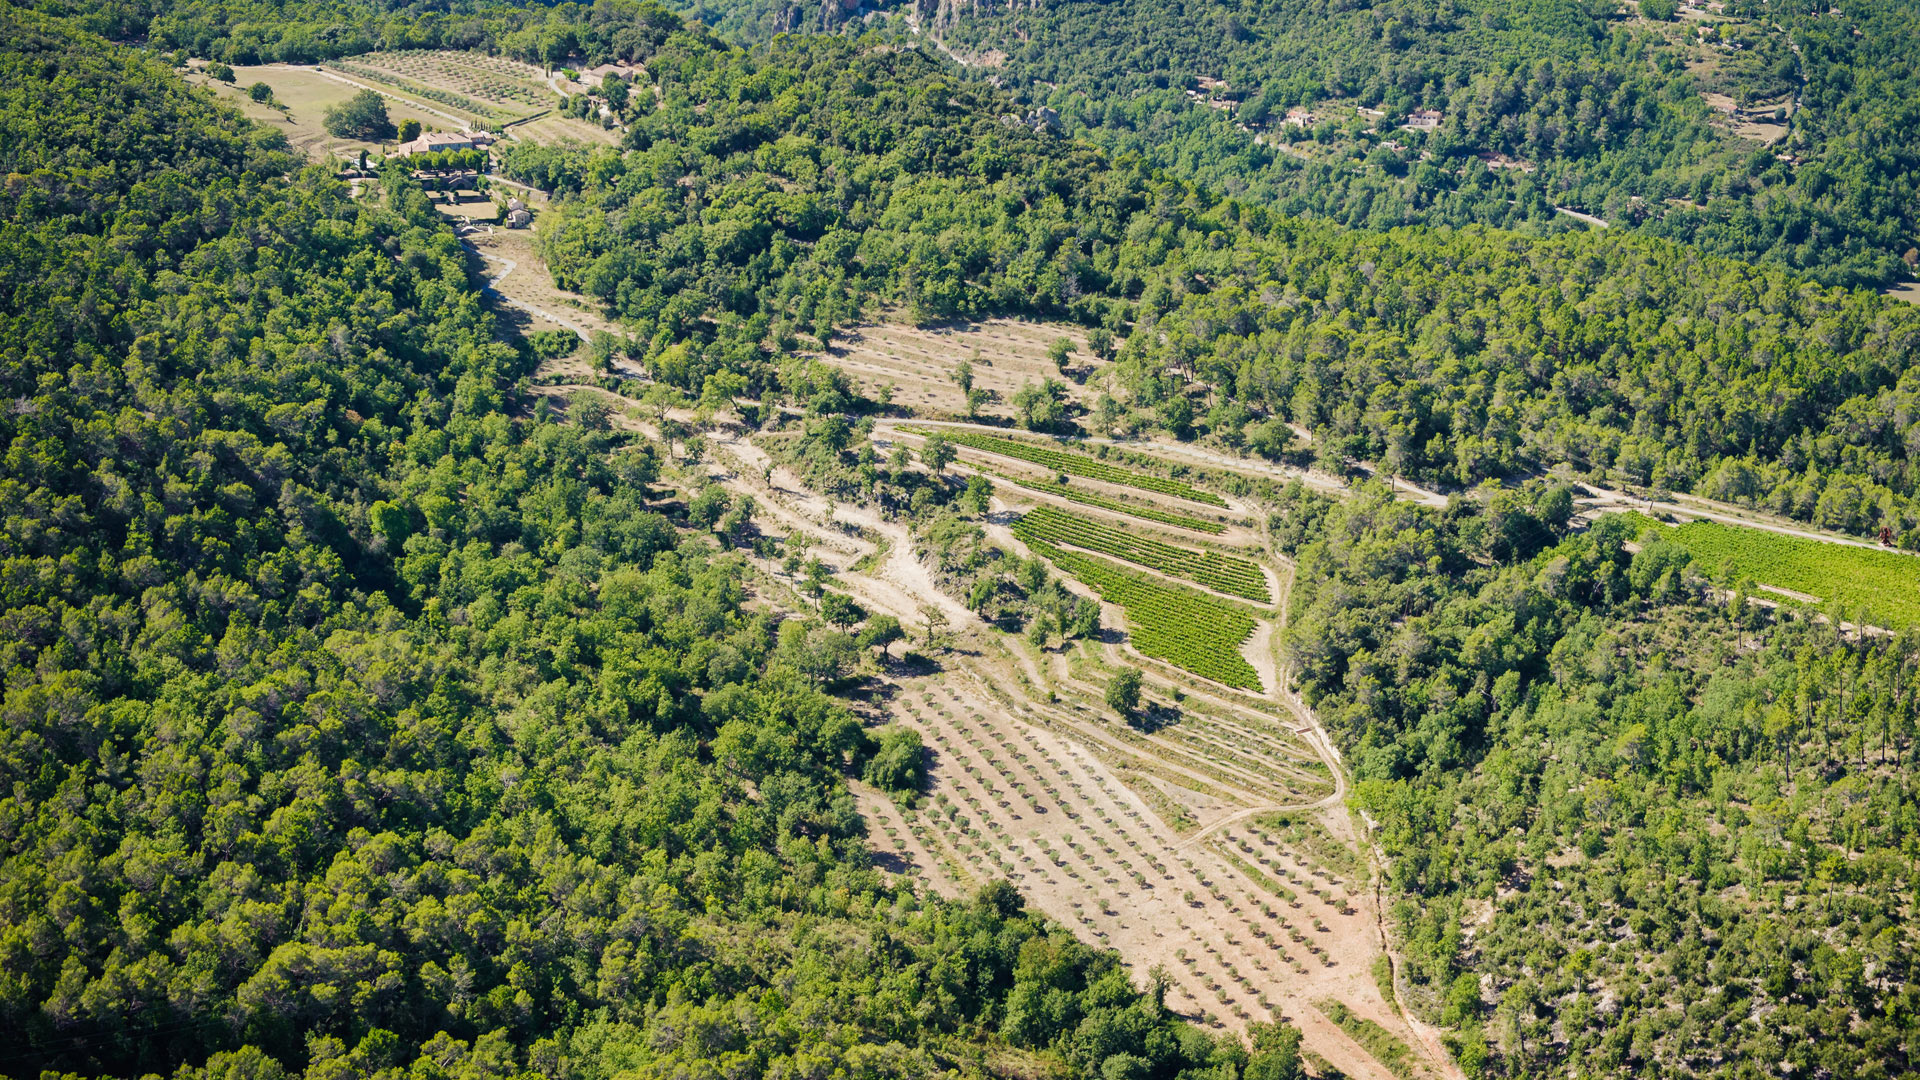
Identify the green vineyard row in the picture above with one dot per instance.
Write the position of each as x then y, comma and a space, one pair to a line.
1877, 587
1067, 461
1188, 629
1222, 573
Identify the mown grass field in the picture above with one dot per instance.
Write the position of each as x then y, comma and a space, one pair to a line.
306, 95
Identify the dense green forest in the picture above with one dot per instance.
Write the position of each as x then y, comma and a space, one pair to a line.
773, 195
1603, 102
359, 721
309, 31
1679, 830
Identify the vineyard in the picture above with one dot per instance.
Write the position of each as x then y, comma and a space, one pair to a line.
1067, 461
1221, 573
488, 86
1880, 587
1184, 627
1178, 521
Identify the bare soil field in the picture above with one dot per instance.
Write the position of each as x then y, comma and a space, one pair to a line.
1254, 918
920, 362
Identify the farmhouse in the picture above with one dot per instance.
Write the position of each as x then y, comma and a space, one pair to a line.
1424, 120
1300, 118
434, 142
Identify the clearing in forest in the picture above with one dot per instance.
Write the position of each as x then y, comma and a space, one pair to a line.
492, 88
920, 362
524, 286
1204, 838
1880, 587
303, 95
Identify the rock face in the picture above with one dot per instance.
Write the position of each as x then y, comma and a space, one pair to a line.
941, 14
934, 15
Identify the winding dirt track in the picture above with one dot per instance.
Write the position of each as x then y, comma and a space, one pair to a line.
493, 289
1044, 791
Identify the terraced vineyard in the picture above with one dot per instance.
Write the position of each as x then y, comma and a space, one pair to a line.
1185, 627
1178, 521
1076, 464
1221, 573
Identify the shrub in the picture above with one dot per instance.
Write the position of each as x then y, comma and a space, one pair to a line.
899, 765
553, 344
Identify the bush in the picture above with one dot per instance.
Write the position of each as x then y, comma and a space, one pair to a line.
553, 344
362, 116
260, 92
900, 765
409, 129
219, 71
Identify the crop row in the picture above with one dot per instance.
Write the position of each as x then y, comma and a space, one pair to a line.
1878, 587
444, 97
1243, 956
1067, 461
1224, 573
1186, 628
1178, 521
435, 69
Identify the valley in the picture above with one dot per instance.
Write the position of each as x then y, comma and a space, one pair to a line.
813, 557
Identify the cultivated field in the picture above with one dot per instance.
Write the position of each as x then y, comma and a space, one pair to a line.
489, 87
444, 91
306, 94
1878, 587
920, 362
1214, 849
559, 129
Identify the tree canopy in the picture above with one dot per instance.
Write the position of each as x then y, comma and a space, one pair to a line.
359, 722
362, 116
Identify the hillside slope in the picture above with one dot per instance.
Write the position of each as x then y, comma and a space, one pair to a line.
357, 724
